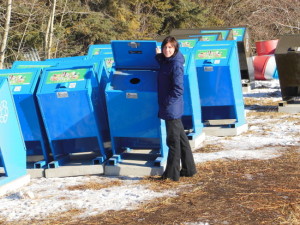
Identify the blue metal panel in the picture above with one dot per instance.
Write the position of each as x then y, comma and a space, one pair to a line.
12, 147
134, 55
23, 84
72, 110
219, 81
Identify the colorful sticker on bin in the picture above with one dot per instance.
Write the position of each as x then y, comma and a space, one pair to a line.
18, 78
211, 54
60, 76
187, 43
109, 62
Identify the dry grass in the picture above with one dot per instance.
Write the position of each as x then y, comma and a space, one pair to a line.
264, 102
94, 185
222, 192
209, 148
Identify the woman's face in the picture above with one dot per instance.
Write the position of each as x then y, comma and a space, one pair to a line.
168, 50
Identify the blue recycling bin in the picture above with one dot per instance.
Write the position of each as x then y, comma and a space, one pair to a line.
131, 98
73, 112
219, 83
12, 147
23, 83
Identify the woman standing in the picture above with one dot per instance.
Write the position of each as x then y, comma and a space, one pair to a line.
170, 101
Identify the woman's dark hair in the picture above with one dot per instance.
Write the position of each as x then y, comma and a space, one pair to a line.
172, 41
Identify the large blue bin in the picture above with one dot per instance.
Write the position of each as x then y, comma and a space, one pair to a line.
219, 83
73, 112
131, 98
23, 83
12, 147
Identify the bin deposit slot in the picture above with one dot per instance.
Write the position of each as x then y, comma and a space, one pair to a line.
135, 80
208, 61
62, 85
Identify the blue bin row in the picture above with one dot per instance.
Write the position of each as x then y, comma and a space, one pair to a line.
73, 105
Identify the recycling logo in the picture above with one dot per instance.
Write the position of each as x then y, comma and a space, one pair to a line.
3, 111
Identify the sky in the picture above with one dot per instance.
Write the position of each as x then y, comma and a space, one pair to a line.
45, 196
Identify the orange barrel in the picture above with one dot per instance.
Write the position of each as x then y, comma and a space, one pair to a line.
264, 67
266, 47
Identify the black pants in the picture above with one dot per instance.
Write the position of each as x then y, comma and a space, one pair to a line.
179, 149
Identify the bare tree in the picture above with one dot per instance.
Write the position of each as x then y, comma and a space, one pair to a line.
26, 27
49, 32
5, 35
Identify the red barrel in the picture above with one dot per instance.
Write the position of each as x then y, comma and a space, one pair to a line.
264, 67
266, 47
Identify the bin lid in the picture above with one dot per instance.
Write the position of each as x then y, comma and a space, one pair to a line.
135, 54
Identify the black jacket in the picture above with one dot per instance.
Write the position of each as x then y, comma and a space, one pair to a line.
170, 86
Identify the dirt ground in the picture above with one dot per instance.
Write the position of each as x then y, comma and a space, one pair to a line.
222, 192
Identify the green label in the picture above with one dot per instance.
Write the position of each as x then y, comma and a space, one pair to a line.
188, 43
211, 54
223, 32
32, 66
18, 78
238, 32
61, 76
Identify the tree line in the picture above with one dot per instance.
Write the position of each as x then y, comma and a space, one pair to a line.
45, 29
